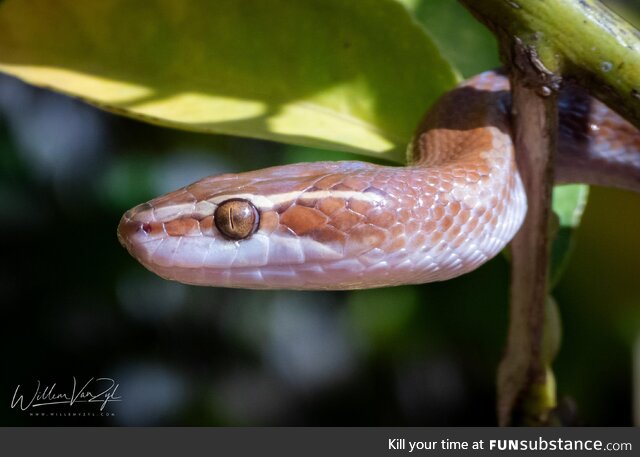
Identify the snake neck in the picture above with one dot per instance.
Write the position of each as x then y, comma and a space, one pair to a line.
452, 134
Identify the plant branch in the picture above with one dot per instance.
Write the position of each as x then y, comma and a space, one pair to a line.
522, 375
590, 45
545, 44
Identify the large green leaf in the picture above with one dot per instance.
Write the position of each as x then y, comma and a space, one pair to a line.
464, 41
349, 75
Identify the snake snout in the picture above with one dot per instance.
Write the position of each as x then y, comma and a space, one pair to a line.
127, 229
131, 228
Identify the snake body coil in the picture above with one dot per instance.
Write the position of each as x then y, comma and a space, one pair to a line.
353, 225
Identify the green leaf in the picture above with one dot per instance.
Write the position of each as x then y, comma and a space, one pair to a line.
348, 75
569, 202
468, 44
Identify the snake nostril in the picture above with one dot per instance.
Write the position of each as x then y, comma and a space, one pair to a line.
128, 229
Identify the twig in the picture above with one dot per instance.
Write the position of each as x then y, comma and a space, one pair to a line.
523, 393
545, 43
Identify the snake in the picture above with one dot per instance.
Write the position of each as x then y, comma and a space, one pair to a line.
342, 225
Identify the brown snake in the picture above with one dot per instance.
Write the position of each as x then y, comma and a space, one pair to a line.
354, 225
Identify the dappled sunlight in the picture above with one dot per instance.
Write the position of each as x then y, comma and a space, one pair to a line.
193, 68
91, 87
351, 133
198, 108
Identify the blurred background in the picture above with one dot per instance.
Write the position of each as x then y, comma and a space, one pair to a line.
76, 304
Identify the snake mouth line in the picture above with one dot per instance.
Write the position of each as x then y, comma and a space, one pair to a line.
314, 276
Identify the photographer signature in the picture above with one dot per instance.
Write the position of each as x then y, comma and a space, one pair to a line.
95, 390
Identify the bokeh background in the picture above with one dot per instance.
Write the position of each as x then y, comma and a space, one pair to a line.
74, 303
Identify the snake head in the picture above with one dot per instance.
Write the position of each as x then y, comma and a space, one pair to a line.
293, 226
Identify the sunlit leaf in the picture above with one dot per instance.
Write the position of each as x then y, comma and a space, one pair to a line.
348, 75
569, 203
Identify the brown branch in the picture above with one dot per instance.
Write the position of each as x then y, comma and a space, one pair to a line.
522, 374
542, 44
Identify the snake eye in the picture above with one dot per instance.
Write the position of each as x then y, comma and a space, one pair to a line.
236, 218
